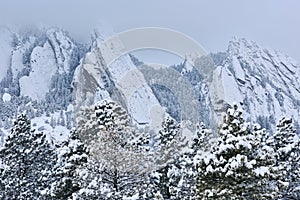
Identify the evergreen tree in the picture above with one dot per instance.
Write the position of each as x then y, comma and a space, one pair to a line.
287, 154
169, 142
294, 184
235, 167
28, 159
112, 145
92, 186
168, 148
204, 139
87, 124
1, 138
186, 187
72, 154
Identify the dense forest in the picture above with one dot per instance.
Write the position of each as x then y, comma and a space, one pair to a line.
105, 157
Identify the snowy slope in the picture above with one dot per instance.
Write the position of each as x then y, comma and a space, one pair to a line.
55, 134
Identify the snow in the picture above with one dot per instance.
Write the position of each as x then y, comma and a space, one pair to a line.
54, 56
261, 171
101, 94
62, 151
234, 164
208, 158
19, 53
265, 72
57, 134
250, 164
43, 65
133, 85
6, 97
225, 147
70, 108
286, 149
17, 60
6, 39
144, 108
285, 184
239, 72
43, 192
129, 81
134, 197
188, 67
231, 89
253, 81
209, 169
63, 48
244, 143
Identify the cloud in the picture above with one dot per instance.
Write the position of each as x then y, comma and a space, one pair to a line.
272, 23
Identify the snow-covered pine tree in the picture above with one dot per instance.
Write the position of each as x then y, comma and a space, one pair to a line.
233, 168
72, 154
284, 135
262, 143
122, 165
169, 148
294, 185
202, 142
92, 186
170, 142
1, 138
87, 125
204, 139
28, 160
287, 154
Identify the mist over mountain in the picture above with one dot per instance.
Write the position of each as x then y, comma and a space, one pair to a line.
47, 73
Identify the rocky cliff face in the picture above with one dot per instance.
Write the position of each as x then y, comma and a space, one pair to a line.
120, 80
266, 82
47, 65
33, 60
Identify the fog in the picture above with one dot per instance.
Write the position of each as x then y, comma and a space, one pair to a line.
272, 23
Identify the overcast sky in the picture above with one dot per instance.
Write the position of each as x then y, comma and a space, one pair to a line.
272, 23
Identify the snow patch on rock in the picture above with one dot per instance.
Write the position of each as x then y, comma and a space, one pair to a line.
6, 97
43, 65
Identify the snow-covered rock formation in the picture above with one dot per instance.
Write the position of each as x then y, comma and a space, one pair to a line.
95, 79
48, 66
6, 46
54, 56
266, 82
34, 61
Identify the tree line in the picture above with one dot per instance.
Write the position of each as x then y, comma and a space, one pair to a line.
105, 157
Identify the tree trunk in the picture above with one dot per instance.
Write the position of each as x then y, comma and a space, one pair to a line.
116, 179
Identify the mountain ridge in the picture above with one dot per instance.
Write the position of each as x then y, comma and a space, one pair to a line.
264, 81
